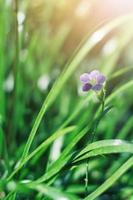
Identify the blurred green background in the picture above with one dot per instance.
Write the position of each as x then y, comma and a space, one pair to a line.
47, 44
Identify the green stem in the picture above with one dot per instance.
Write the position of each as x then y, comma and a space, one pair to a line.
12, 123
16, 63
102, 101
2, 60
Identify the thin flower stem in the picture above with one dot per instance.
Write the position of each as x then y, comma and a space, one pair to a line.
102, 101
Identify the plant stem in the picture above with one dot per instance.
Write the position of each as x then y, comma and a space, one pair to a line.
102, 101
16, 63
12, 125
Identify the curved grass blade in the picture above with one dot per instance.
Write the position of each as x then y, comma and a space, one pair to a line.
109, 99
110, 181
63, 159
104, 147
68, 71
43, 146
102, 143
66, 155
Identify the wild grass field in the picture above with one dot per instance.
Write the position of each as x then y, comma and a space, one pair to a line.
57, 141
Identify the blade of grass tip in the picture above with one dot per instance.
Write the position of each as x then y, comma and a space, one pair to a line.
110, 181
68, 71
43, 146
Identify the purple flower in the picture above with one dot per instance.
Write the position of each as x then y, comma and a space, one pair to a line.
93, 80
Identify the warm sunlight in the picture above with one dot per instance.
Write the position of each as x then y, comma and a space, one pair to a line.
66, 99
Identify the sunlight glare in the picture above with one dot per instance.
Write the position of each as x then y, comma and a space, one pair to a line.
83, 8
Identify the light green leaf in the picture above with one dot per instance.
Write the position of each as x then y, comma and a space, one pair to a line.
104, 147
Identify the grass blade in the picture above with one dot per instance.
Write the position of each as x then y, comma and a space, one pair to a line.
104, 147
66, 155
43, 147
68, 71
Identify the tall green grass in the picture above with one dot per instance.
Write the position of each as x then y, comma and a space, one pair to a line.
60, 115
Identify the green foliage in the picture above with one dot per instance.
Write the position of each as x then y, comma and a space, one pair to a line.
54, 139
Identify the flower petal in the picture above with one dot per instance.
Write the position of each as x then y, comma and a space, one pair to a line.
86, 87
94, 73
97, 87
84, 78
93, 76
100, 79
